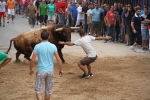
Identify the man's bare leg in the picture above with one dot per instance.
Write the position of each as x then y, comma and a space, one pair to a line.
82, 68
89, 69
47, 96
5, 62
13, 17
39, 96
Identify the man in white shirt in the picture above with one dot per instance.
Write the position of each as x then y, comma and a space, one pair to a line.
86, 43
2, 12
89, 18
80, 16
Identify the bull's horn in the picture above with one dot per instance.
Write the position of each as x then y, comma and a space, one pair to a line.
59, 29
75, 28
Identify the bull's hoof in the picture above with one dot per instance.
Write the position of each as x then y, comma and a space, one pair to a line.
64, 62
17, 61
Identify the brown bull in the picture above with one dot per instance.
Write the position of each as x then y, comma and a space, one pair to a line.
25, 42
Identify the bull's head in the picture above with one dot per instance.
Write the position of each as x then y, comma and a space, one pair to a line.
65, 32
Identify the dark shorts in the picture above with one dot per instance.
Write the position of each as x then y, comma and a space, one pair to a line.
128, 29
95, 25
3, 56
43, 18
87, 60
32, 20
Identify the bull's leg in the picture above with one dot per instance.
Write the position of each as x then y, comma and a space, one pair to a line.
27, 55
61, 56
17, 56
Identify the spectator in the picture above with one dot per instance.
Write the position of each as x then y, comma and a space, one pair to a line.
31, 12
51, 12
111, 21
136, 27
70, 5
23, 7
11, 10
74, 14
43, 13
117, 26
144, 30
37, 3
45, 51
86, 43
57, 12
84, 10
129, 13
106, 24
148, 17
62, 11
5, 58
90, 7
80, 16
123, 24
2, 12
102, 23
95, 15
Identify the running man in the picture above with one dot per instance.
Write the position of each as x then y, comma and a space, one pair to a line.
11, 11
5, 58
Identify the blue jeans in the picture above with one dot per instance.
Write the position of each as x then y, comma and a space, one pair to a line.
73, 23
111, 32
122, 34
63, 20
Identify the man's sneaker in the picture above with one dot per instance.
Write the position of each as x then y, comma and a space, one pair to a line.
140, 51
3, 25
132, 47
105, 41
7, 21
12, 21
145, 49
84, 76
127, 44
90, 75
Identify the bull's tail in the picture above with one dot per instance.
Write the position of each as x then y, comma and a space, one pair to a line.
10, 45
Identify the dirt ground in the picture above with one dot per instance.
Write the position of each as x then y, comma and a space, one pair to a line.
115, 78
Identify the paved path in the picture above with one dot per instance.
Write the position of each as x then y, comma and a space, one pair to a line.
11, 30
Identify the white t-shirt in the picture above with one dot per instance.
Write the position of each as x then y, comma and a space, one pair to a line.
86, 43
2, 6
80, 16
144, 26
34, 2
89, 12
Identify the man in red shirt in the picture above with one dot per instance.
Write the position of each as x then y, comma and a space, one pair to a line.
62, 11
57, 4
111, 22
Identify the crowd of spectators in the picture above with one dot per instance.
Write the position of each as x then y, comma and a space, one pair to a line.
123, 22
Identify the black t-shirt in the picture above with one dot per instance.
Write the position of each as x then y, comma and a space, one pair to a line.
117, 14
47, 1
37, 3
129, 18
137, 22
85, 9
148, 16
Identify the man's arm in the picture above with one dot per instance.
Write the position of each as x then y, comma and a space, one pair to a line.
132, 25
67, 43
127, 13
59, 62
32, 63
103, 38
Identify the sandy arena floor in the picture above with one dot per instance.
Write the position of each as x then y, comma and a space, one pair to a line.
115, 78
